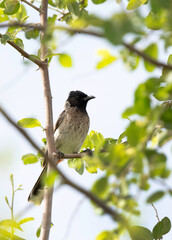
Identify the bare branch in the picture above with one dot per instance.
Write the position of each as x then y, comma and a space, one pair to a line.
114, 214
25, 54
31, 5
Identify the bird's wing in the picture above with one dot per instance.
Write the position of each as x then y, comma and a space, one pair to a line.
59, 120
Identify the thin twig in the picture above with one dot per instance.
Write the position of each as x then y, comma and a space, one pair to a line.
108, 210
72, 217
25, 54
31, 5
156, 212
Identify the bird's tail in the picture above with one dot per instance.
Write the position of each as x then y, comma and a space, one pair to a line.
37, 193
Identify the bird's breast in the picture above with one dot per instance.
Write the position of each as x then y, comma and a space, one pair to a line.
72, 132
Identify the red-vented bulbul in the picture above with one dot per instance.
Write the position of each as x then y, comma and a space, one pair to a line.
70, 132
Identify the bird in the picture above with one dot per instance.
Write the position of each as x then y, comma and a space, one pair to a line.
70, 132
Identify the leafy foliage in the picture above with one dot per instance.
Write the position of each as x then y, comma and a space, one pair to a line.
132, 162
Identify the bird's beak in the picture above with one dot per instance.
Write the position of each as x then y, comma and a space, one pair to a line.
89, 98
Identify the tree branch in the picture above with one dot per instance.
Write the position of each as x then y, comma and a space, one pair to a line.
23, 25
25, 54
113, 213
31, 5
48, 192
129, 46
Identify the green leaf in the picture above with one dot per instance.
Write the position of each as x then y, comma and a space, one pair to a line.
136, 133
3, 17
155, 196
73, 8
77, 164
11, 7
65, 60
133, 4
5, 38
98, 1
87, 143
112, 33
22, 13
29, 123
128, 112
29, 158
25, 220
101, 187
38, 232
33, 33
19, 42
107, 235
157, 5
162, 228
7, 235
107, 59
140, 233
142, 100
163, 93
156, 21
10, 223
6, 199
151, 51
167, 116
97, 139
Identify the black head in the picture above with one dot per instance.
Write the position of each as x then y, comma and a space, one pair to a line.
78, 99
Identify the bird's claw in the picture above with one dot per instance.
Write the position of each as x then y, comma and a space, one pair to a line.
88, 151
58, 154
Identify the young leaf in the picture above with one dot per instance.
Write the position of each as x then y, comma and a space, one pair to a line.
65, 60
77, 164
38, 232
29, 123
3, 17
106, 235
19, 42
107, 59
6, 199
133, 4
151, 51
140, 233
7, 235
29, 158
9, 223
24, 220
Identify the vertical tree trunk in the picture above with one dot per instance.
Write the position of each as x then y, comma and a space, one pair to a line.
48, 193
